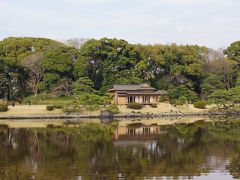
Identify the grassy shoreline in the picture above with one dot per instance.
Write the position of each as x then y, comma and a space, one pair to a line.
25, 110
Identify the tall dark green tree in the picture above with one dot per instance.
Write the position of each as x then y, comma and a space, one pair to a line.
111, 61
212, 83
12, 52
58, 63
82, 86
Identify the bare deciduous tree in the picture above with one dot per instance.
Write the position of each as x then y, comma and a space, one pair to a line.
222, 68
212, 55
32, 63
76, 42
64, 87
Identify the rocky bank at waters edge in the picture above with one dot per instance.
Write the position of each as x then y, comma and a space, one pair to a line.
131, 115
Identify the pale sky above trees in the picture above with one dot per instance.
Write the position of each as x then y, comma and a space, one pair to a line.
214, 23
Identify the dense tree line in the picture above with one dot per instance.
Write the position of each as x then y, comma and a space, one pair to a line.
29, 66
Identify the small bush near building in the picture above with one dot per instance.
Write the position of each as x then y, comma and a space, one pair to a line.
181, 101
93, 99
200, 104
153, 105
3, 106
113, 109
163, 98
134, 106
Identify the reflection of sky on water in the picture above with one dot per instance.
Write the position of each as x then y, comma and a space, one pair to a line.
216, 175
218, 163
152, 146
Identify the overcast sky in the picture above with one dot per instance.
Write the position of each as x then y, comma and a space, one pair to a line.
214, 23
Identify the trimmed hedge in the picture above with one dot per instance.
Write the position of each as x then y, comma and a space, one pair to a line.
181, 101
200, 104
50, 108
134, 106
58, 106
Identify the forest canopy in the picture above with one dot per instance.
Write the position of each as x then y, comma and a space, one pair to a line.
31, 66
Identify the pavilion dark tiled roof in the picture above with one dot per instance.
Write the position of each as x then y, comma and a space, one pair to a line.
131, 87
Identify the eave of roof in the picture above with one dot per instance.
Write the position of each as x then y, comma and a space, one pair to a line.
144, 93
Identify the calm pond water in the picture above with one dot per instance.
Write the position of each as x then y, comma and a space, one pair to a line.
133, 150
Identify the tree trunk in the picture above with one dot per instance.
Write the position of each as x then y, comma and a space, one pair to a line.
36, 92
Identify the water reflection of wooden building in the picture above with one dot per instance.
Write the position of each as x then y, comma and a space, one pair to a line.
138, 131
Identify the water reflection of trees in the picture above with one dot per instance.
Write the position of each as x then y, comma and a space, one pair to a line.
64, 153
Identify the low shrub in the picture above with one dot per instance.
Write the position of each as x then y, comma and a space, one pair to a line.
200, 104
50, 108
181, 101
72, 109
3, 106
113, 109
154, 105
134, 106
57, 106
